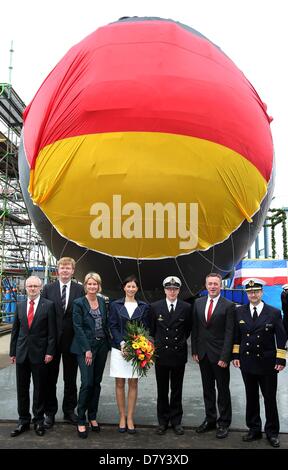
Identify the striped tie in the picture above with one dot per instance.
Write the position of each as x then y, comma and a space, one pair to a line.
63, 297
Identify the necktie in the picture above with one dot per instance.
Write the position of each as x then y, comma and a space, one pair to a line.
255, 316
30, 313
210, 309
63, 297
171, 308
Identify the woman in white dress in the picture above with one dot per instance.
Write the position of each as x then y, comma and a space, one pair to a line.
121, 311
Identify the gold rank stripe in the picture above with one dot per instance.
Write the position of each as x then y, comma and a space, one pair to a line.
281, 353
236, 348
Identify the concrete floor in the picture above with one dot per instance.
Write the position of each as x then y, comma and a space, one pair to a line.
145, 415
63, 436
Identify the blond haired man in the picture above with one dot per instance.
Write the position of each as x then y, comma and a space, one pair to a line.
62, 293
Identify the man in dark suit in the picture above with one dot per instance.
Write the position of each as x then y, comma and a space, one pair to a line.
170, 325
32, 347
259, 351
62, 293
212, 341
284, 302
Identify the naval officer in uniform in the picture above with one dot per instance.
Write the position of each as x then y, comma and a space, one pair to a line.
259, 351
170, 325
284, 302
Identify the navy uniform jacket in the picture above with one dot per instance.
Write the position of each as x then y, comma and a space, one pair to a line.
170, 331
254, 343
84, 326
118, 318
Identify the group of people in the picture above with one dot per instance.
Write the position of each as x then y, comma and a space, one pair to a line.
77, 323
254, 337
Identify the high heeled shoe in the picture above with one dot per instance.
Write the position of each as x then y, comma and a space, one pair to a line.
82, 434
131, 430
94, 428
122, 429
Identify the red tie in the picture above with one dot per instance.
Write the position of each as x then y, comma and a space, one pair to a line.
30, 313
209, 314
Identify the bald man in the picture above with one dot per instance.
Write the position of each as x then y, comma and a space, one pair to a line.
32, 347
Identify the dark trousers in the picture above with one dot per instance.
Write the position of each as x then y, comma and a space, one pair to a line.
268, 386
91, 377
211, 375
23, 377
169, 410
70, 367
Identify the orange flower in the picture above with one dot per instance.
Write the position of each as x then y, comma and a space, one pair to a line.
139, 349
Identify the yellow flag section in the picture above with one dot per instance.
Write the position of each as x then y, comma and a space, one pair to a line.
145, 194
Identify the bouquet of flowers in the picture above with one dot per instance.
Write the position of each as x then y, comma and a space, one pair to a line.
138, 348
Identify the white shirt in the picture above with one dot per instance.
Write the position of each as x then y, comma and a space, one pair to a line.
36, 302
259, 308
131, 307
67, 290
215, 300
169, 303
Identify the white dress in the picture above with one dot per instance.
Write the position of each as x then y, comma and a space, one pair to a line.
119, 367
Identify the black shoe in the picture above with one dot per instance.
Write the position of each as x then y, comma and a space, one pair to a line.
179, 431
49, 421
82, 434
39, 429
20, 429
94, 428
161, 429
131, 430
222, 432
122, 429
252, 436
71, 418
206, 426
274, 441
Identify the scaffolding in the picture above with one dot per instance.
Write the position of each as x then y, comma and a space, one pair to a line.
22, 251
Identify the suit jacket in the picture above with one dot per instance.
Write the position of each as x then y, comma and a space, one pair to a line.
38, 340
84, 326
64, 323
254, 342
215, 338
284, 302
118, 318
170, 331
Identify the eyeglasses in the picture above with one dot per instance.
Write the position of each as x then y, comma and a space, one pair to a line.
33, 286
